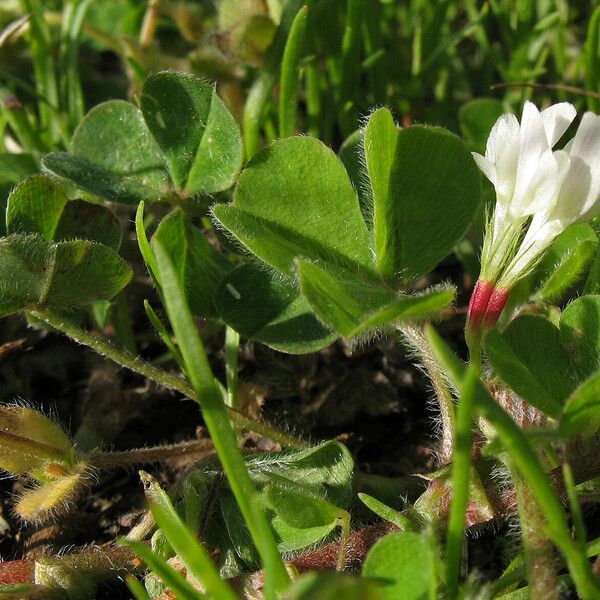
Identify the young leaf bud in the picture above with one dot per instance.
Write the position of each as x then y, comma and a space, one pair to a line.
29, 439
55, 496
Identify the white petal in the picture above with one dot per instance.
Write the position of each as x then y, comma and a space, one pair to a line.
585, 154
533, 151
507, 156
486, 167
574, 192
541, 190
567, 147
586, 140
503, 137
563, 161
556, 120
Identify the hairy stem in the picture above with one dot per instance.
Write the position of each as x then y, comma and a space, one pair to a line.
169, 380
126, 458
540, 559
415, 339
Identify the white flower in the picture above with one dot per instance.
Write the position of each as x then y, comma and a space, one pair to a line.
540, 192
576, 200
525, 172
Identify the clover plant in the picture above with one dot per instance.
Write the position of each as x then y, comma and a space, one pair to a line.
237, 226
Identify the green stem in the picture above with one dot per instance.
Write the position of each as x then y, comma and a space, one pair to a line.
461, 467
526, 460
156, 374
164, 335
232, 349
218, 424
150, 23
576, 515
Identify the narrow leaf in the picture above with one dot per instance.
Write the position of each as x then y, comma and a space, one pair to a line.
174, 581
193, 554
199, 265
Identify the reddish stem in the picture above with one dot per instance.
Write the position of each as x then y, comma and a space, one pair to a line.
17, 571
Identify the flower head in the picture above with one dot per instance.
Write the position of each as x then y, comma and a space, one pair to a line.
539, 193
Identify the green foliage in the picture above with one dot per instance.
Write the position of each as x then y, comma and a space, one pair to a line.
190, 144
200, 267
215, 416
529, 357
270, 310
329, 241
565, 264
314, 184
351, 306
58, 254
580, 334
330, 586
194, 129
195, 557
581, 413
307, 493
418, 218
331, 251
403, 564
35, 206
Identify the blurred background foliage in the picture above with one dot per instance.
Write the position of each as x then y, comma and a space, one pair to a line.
424, 59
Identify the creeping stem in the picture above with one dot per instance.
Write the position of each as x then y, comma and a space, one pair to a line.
169, 380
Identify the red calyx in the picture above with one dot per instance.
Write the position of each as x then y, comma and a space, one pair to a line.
486, 304
478, 303
495, 306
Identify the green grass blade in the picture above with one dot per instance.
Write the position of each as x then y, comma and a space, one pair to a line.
351, 63
163, 334
72, 96
136, 588
260, 92
525, 459
44, 66
193, 554
144, 245
290, 74
219, 427
592, 60
232, 350
176, 583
